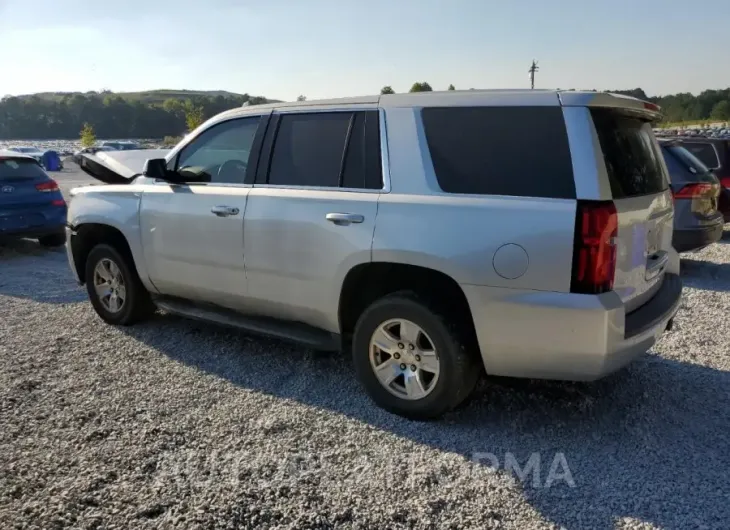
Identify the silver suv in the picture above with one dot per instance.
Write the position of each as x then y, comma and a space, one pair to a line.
435, 234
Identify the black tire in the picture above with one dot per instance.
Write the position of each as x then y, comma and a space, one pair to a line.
53, 240
459, 368
137, 305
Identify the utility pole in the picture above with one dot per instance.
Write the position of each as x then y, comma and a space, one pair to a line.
534, 68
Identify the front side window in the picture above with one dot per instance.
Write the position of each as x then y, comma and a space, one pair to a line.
219, 154
309, 149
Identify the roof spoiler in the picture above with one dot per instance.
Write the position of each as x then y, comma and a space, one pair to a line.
624, 104
118, 167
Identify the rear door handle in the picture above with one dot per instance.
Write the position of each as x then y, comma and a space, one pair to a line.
224, 211
343, 219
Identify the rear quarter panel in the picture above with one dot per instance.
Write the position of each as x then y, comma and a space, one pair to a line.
459, 235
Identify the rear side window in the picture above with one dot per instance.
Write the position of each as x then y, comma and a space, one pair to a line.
16, 168
515, 151
362, 167
705, 152
309, 149
335, 149
630, 153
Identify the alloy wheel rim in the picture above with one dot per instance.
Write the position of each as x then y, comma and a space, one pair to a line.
109, 285
404, 359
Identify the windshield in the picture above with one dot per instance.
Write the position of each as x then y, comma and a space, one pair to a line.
26, 150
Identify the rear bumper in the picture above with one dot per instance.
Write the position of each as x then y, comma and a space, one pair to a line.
38, 231
563, 335
697, 238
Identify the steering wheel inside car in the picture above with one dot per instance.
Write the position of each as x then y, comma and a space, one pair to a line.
232, 172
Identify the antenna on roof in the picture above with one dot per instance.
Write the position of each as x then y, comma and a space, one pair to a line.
534, 68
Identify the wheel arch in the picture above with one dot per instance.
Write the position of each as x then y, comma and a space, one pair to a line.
86, 236
367, 282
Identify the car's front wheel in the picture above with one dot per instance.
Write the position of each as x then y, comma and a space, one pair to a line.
114, 288
411, 359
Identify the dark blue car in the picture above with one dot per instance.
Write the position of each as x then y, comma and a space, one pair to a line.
31, 204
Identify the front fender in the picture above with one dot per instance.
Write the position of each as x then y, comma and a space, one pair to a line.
116, 207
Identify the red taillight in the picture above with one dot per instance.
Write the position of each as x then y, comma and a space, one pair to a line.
51, 185
725, 181
652, 106
691, 191
594, 252
58, 202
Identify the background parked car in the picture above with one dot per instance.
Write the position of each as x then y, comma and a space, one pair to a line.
89, 150
697, 221
33, 152
31, 205
715, 154
121, 146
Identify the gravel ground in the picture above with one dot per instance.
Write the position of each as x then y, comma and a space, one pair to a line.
178, 424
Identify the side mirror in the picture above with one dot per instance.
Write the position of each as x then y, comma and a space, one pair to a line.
156, 168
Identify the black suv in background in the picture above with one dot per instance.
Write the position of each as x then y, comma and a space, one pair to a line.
715, 154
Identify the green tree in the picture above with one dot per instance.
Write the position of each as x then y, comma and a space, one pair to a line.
301, 98
194, 116
421, 87
88, 137
451, 87
387, 90
721, 111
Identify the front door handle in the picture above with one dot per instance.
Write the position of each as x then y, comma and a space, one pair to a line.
344, 219
224, 211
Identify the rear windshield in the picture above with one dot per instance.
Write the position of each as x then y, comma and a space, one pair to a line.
15, 168
687, 159
514, 151
632, 159
705, 152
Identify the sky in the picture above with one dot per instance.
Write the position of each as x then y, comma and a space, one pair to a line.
334, 48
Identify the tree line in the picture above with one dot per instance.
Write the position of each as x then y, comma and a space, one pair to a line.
112, 116
709, 105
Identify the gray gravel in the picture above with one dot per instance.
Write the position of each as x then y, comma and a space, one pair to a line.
178, 424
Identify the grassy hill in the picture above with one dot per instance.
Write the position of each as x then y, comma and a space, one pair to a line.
147, 96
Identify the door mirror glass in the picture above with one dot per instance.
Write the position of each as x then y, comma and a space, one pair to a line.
156, 168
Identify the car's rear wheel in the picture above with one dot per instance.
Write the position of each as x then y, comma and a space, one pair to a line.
52, 240
114, 288
411, 360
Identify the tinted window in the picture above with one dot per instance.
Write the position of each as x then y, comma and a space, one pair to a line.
362, 161
220, 154
705, 152
309, 149
630, 153
14, 168
518, 151
686, 159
